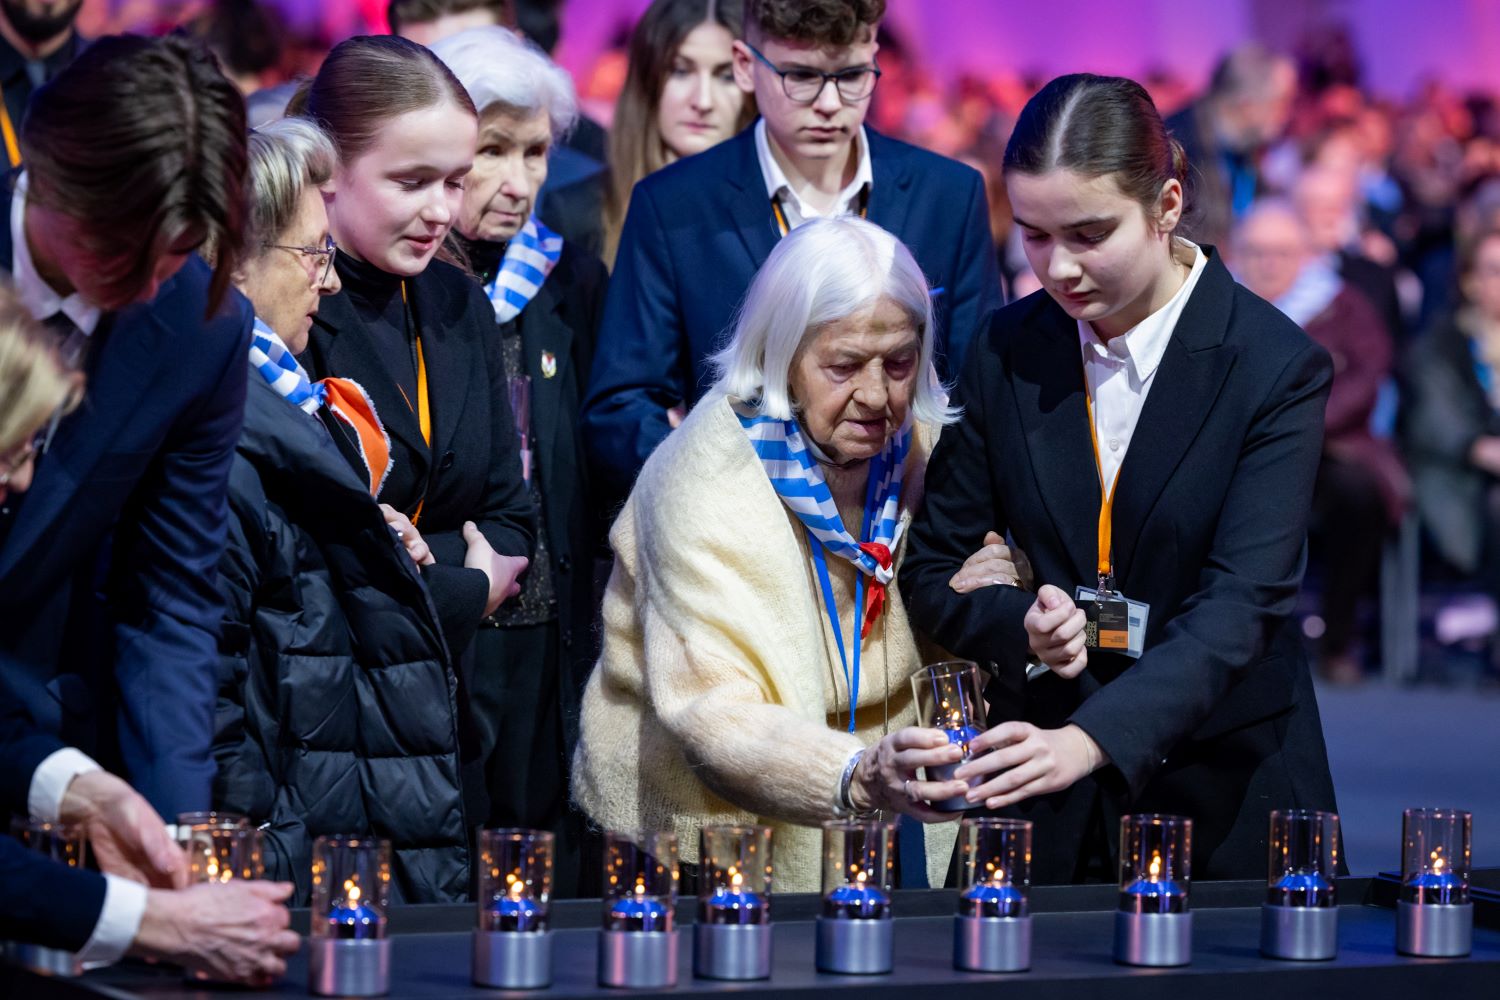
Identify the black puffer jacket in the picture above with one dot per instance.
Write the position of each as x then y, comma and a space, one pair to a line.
336, 708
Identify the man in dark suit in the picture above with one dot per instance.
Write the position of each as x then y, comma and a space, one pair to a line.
37, 40
128, 502
232, 931
698, 230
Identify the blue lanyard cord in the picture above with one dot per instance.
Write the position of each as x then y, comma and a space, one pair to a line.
832, 610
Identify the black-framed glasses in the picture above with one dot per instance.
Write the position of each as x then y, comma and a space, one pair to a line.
326, 252
803, 84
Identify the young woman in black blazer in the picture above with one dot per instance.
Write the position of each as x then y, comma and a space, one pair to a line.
1142, 365
418, 334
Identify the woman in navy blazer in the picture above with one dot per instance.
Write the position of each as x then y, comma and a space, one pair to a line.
1221, 399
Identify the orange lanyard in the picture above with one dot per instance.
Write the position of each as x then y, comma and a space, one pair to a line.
785, 227
1106, 497
8, 129
424, 405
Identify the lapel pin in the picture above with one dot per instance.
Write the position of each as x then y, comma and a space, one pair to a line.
549, 364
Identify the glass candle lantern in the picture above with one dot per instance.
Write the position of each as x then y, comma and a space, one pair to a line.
854, 929
348, 951
1434, 915
220, 848
1299, 920
638, 946
65, 845
512, 946
992, 932
950, 697
1153, 925
732, 938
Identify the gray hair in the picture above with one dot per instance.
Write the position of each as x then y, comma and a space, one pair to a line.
497, 67
821, 272
285, 157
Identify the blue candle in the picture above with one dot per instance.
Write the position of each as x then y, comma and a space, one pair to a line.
639, 913
1306, 889
734, 904
516, 912
962, 734
988, 899
351, 918
1436, 887
857, 901
1153, 894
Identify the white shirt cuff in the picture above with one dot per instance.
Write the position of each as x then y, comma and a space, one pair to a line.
119, 922
51, 779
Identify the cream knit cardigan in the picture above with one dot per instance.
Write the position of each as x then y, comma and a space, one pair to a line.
719, 696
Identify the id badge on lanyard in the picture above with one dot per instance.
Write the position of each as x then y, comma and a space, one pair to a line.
1113, 622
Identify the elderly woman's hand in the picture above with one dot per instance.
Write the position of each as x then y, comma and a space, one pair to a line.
994, 565
886, 777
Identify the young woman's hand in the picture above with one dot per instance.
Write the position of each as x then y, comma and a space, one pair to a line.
1055, 626
1026, 761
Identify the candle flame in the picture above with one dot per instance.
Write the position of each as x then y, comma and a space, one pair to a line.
351, 890
1437, 861
736, 879
1155, 868
860, 878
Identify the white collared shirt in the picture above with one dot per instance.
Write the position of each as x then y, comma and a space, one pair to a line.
39, 298
779, 189
1120, 372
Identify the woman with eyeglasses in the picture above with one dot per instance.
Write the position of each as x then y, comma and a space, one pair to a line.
35, 387
330, 636
679, 97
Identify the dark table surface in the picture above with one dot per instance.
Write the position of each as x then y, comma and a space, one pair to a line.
1072, 935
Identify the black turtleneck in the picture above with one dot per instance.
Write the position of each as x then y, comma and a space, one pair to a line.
376, 297
484, 256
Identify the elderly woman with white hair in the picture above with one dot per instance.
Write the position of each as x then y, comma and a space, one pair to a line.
728, 689
547, 296
336, 699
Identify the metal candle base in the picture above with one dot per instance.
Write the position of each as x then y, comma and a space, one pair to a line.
513, 960
638, 960
47, 961
1435, 930
726, 951
855, 947
349, 968
1154, 939
992, 944
958, 803
1299, 933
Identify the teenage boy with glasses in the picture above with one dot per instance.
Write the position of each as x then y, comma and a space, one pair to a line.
697, 231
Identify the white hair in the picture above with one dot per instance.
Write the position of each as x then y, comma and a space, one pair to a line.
823, 271
497, 67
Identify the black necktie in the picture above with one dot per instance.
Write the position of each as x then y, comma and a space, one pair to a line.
72, 342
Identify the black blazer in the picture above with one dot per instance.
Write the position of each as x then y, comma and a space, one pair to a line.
472, 471
46, 903
563, 320
696, 233
1217, 720
107, 571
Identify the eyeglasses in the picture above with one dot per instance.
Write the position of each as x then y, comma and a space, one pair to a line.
327, 252
18, 459
804, 85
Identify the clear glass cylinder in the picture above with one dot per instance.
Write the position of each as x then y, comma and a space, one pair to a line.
221, 849
1435, 846
59, 841
1304, 855
640, 881
1155, 863
994, 867
734, 875
515, 880
859, 866
351, 879
950, 697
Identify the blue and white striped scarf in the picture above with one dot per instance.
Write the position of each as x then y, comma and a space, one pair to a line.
797, 478
529, 258
269, 356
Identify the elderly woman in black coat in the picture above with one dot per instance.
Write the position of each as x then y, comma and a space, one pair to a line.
337, 690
